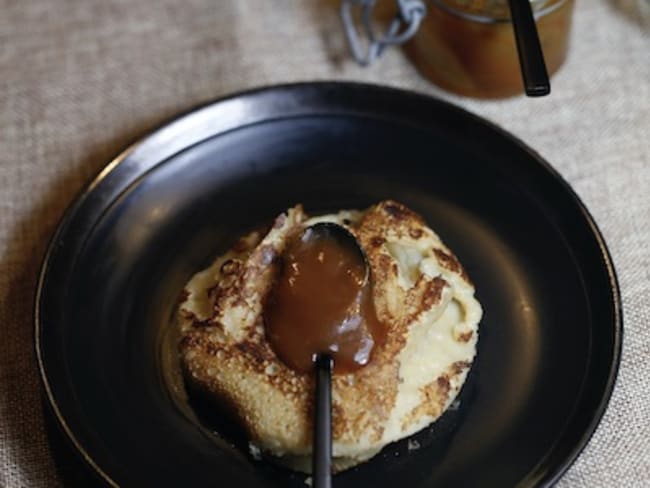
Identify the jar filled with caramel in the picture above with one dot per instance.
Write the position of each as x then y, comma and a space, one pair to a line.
468, 46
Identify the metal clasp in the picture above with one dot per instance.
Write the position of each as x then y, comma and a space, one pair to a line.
401, 29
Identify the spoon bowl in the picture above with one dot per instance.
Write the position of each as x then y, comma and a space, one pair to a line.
322, 440
338, 233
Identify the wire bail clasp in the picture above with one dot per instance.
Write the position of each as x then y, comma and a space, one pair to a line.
401, 29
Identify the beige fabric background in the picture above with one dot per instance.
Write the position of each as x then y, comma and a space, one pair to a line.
80, 79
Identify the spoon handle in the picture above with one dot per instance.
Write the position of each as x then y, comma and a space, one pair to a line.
322, 442
531, 57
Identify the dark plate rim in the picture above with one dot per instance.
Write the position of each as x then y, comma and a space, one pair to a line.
378, 90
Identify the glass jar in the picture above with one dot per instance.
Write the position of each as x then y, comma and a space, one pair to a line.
468, 46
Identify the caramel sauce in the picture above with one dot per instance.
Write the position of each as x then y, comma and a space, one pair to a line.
322, 303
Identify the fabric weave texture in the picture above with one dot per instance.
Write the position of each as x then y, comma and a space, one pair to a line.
80, 80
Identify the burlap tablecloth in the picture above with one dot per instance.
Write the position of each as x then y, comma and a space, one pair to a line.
79, 80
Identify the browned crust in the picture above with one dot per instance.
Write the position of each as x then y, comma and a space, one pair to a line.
448, 261
465, 336
460, 366
435, 394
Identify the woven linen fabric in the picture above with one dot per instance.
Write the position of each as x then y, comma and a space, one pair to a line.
79, 80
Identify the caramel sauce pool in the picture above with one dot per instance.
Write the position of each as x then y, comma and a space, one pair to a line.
322, 304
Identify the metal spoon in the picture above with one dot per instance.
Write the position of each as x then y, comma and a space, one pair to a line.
531, 57
322, 441
338, 233
322, 438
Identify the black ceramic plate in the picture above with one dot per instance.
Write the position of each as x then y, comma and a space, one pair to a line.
549, 341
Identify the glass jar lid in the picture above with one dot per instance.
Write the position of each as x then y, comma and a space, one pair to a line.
491, 10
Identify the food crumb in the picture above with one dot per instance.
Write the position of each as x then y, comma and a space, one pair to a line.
255, 451
308, 481
271, 369
413, 445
